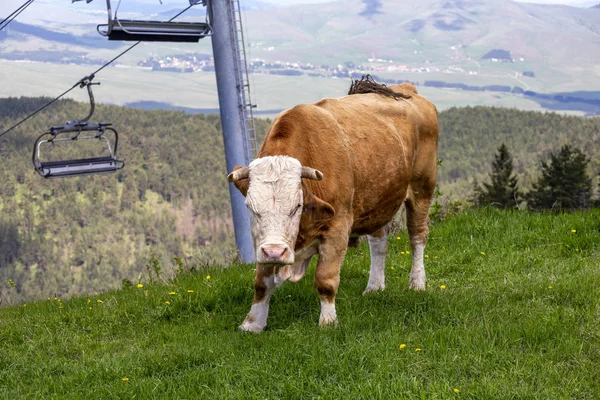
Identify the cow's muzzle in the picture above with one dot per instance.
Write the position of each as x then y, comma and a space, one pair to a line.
275, 254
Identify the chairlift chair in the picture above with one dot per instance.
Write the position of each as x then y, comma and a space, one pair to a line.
153, 31
83, 166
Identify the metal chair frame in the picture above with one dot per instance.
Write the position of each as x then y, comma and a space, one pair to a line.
84, 166
153, 31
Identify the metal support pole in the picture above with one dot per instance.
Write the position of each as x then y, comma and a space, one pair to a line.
228, 86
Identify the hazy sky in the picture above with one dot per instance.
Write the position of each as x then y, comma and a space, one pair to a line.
44, 7
575, 3
7, 6
9, 3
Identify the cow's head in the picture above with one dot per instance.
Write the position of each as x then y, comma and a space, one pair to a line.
276, 199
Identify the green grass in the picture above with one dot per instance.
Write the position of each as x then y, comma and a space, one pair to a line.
519, 318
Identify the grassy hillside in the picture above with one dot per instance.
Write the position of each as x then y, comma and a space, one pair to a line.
511, 311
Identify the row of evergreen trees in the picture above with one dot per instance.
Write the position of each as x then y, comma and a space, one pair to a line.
564, 183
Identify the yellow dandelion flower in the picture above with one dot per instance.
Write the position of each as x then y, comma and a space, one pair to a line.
172, 293
207, 277
89, 301
482, 253
125, 379
435, 257
402, 346
573, 230
167, 302
442, 287
407, 252
402, 252
417, 349
576, 249
397, 237
90, 308
48, 298
25, 305
550, 287
139, 285
392, 268
11, 283
99, 301
456, 390
426, 256
190, 291
60, 307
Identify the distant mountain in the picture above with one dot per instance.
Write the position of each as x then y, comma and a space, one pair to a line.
534, 48
425, 30
596, 6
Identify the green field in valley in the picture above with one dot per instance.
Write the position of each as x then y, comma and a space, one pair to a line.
122, 85
512, 310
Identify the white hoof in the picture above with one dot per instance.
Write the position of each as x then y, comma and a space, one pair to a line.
328, 314
251, 326
373, 289
417, 284
327, 321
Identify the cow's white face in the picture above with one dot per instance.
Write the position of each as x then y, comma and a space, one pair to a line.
274, 199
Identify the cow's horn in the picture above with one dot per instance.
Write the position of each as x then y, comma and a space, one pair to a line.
236, 175
311, 173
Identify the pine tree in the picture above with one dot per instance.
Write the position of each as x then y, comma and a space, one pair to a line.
502, 192
564, 184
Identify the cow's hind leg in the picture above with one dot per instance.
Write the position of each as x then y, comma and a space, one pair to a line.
378, 244
417, 221
264, 286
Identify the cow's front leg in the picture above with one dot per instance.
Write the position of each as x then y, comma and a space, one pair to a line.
264, 286
327, 276
378, 244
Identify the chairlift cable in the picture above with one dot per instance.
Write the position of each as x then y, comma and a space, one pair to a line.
65, 92
15, 14
37, 111
81, 80
114, 59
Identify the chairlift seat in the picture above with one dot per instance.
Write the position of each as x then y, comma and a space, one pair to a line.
85, 166
156, 31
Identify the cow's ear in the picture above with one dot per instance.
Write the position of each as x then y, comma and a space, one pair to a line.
315, 208
239, 178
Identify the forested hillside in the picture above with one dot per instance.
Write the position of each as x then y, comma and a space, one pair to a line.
470, 136
87, 234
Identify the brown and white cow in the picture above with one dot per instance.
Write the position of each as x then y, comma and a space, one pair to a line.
332, 170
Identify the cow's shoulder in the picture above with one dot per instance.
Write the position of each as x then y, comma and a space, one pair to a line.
305, 113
